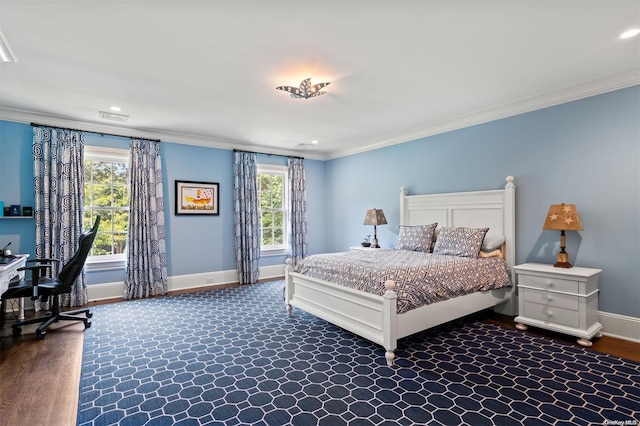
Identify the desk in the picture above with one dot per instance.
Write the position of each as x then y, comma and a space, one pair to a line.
8, 271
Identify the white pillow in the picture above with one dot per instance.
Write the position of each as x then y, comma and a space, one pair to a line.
492, 242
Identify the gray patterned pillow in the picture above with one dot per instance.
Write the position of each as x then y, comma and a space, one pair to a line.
416, 238
463, 242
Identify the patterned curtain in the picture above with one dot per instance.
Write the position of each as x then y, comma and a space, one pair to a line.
58, 181
146, 247
247, 223
298, 186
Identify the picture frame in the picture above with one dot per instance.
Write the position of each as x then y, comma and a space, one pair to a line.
197, 198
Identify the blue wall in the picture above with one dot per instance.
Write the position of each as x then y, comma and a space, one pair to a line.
195, 244
16, 185
585, 152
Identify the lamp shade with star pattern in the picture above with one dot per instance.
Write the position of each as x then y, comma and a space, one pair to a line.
562, 217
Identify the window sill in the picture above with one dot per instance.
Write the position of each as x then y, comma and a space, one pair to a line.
274, 252
104, 265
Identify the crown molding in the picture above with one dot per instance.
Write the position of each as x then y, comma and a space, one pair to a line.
21, 116
570, 94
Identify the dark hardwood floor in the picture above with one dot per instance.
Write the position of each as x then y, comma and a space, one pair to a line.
39, 379
605, 344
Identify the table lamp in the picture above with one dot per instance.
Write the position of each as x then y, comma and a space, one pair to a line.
562, 217
375, 217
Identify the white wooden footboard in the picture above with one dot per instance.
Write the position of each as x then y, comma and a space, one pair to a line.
369, 316
374, 317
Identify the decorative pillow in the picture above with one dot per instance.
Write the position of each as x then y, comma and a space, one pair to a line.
463, 242
416, 238
492, 242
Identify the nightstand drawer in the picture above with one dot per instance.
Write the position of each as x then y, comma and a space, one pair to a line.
551, 314
547, 283
552, 299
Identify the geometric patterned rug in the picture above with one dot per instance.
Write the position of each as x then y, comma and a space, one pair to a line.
233, 357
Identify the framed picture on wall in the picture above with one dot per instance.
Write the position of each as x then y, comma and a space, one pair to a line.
197, 197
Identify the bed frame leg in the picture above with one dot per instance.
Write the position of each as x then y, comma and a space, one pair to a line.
288, 284
389, 355
389, 320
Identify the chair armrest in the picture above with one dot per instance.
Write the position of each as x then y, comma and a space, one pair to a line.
43, 260
37, 271
37, 267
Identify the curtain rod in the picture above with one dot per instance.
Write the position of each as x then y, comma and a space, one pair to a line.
266, 153
90, 131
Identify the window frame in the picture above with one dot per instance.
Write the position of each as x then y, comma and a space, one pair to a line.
278, 170
110, 261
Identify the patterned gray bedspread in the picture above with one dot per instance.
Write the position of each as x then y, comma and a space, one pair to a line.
421, 278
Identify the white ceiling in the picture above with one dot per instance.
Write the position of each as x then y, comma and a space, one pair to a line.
204, 72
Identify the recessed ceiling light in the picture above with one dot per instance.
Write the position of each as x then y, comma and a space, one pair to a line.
115, 108
630, 33
314, 142
6, 55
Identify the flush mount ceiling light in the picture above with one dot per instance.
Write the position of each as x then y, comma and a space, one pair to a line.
306, 90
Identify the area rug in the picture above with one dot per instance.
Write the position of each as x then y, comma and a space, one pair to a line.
233, 357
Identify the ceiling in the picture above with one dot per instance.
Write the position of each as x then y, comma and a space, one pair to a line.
204, 72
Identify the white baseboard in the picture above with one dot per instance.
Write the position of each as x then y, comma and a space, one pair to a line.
614, 325
115, 290
620, 326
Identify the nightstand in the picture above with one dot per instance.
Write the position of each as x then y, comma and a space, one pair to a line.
559, 299
362, 248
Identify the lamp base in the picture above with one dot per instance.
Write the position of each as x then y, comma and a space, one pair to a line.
563, 260
374, 244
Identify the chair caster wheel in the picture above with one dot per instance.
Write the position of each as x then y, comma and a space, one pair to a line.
17, 331
40, 334
89, 314
87, 324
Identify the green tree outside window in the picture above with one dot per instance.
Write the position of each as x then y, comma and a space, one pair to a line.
272, 209
106, 192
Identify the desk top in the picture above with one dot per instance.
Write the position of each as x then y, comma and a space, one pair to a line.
10, 270
7, 262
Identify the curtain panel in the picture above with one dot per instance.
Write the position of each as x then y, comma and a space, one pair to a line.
297, 183
246, 220
146, 273
58, 182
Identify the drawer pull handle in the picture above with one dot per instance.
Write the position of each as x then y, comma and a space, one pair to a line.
549, 314
549, 283
549, 298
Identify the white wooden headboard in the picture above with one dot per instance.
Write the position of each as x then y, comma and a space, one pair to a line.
493, 209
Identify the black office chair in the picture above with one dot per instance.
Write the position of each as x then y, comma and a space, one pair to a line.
43, 287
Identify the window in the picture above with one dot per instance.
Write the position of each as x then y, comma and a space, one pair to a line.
106, 193
273, 185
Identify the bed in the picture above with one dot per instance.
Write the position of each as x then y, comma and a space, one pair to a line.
375, 317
